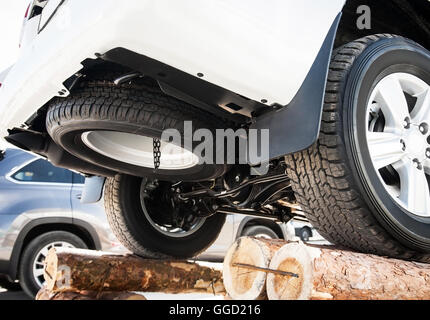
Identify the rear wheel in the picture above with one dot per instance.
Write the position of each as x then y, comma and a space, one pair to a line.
149, 220
365, 183
305, 234
32, 260
8, 285
260, 232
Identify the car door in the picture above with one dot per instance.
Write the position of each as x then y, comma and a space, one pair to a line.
93, 216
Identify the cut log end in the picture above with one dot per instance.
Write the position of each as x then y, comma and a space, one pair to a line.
296, 259
51, 269
243, 283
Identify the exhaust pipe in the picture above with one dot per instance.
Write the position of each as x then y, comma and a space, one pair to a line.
28, 140
42, 144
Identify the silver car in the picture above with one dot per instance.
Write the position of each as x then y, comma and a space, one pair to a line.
239, 226
40, 208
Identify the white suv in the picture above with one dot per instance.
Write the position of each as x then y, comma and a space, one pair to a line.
331, 100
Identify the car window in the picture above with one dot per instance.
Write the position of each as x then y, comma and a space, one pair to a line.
42, 171
78, 178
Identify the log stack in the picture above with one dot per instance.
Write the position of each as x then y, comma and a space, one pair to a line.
304, 272
253, 269
86, 275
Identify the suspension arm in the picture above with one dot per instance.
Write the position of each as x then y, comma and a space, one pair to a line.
230, 193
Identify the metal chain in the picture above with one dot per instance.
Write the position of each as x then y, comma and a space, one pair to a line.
157, 153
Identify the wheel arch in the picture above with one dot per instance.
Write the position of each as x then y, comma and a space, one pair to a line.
414, 15
250, 222
38, 227
301, 118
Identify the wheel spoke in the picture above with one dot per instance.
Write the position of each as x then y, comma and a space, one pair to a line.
390, 96
385, 148
38, 272
421, 112
414, 189
44, 252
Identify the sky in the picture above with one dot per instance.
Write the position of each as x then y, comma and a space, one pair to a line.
11, 18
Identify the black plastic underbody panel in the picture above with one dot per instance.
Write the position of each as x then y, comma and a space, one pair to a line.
186, 87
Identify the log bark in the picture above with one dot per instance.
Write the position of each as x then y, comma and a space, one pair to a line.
45, 294
77, 270
241, 280
327, 273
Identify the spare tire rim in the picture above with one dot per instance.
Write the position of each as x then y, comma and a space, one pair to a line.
39, 261
398, 138
138, 150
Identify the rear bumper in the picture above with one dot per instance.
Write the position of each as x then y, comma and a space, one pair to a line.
176, 34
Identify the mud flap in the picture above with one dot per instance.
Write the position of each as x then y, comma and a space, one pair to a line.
296, 126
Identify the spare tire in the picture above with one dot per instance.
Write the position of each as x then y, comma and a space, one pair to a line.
119, 127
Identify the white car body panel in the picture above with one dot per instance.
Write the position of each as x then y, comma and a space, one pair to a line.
29, 32
258, 49
4, 74
48, 12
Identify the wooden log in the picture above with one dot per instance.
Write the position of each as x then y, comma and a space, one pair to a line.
45, 294
327, 273
243, 269
77, 270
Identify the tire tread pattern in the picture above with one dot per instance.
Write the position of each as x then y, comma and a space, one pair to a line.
136, 104
117, 222
322, 179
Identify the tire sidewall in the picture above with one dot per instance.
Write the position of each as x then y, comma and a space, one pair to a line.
380, 59
68, 134
255, 230
144, 233
27, 281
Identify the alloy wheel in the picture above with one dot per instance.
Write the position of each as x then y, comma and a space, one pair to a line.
398, 137
39, 261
